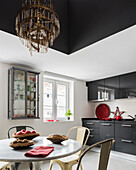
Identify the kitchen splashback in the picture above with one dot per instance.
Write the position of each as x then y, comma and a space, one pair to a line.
127, 105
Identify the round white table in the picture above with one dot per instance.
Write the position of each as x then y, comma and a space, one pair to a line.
9, 154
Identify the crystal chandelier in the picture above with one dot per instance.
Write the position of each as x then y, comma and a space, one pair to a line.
37, 24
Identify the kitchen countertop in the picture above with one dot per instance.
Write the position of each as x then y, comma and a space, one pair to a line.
123, 120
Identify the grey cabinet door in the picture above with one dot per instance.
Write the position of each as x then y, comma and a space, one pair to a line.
112, 88
93, 126
125, 137
128, 85
106, 131
95, 90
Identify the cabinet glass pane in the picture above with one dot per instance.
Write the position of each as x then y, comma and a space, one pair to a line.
32, 96
19, 94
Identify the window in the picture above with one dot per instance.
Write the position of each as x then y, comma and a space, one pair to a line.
55, 99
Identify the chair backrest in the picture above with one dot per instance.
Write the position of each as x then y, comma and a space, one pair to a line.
81, 136
18, 128
104, 153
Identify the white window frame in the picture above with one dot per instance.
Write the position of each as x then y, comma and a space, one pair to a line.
54, 98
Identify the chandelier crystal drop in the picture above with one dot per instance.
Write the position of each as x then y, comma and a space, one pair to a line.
37, 24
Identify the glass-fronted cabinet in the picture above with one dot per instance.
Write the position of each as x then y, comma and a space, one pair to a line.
23, 94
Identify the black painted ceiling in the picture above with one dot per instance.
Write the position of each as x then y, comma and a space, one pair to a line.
83, 22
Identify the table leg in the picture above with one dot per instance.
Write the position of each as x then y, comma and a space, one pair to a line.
16, 165
30, 166
37, 165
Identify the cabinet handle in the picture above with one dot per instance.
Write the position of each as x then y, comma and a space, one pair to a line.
126, 125
91, 129
106, 124
89, 123
127, 141
91, 136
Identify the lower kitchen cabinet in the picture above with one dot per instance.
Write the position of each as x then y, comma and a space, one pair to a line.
93, 126
124, 133
125, 137
125, 145
93, 139
106, 131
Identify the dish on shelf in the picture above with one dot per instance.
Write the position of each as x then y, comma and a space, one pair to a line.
26, 134
57, 139
21, 144
102, 111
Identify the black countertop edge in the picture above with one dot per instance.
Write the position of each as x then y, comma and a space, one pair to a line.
123, 120
90, 118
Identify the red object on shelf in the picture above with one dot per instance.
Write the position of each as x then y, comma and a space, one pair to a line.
51, 120
108, 119
102, 111
118, 118
34, 79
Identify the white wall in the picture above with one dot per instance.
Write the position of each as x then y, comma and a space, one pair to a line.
81, 109
127, 105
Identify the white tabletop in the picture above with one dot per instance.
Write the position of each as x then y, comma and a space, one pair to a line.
9, 154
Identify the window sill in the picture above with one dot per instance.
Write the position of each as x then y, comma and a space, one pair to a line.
58, 121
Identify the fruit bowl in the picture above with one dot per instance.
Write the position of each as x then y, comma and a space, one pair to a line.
57, 139
26, 134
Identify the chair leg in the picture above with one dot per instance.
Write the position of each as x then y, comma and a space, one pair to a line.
51, 164
81, 167
63, 166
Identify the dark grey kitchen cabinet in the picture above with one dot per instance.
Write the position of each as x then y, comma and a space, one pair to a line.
125, 137
96, 90
124, 133
118, 87
106, 130
93, 126
112, 88
128, 85
105, 89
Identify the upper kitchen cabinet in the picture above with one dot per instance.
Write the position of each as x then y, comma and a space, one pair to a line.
23, 94
105, 89
118, 87
112, 88
96, 90
128, 85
